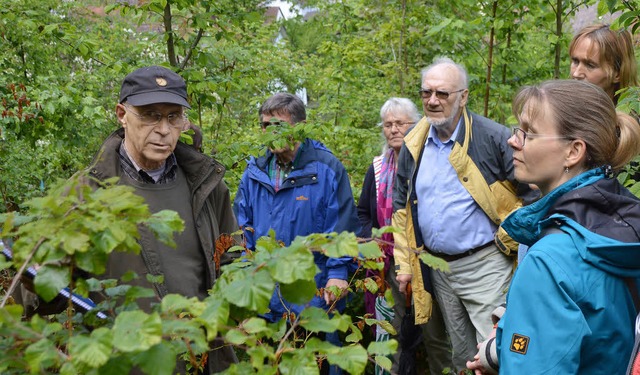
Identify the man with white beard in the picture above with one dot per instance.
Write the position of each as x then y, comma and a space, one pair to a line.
454, 187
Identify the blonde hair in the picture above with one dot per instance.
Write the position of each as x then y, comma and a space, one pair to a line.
584, 111
616, 52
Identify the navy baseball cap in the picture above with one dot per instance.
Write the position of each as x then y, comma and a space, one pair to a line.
154, 84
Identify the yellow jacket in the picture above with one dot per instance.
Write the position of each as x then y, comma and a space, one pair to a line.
484, 164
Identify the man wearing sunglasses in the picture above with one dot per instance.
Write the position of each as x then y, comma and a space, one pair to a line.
297, 189
454, 186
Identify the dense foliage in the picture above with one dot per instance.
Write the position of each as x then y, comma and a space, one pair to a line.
61, 67
70, 233
62, 64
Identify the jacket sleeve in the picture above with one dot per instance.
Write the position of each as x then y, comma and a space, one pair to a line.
542, 328
226, 219
366, 204
399, 218
341, 216
244, 212
225, 215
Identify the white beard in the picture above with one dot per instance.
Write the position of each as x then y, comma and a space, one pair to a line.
446, 122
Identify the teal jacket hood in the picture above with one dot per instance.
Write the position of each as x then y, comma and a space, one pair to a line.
599, 214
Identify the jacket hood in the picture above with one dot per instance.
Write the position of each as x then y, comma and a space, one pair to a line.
601, 216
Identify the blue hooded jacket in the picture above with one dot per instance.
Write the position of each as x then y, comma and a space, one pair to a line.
316, 197
569, 310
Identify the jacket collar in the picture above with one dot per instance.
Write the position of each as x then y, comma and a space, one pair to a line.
196, 166
416, 138
524, 224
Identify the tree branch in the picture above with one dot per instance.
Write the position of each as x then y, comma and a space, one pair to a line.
168, 30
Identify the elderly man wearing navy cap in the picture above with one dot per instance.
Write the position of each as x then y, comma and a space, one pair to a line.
146, 154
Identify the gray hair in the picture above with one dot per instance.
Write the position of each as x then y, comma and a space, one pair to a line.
464, 77
399, 106
283, 102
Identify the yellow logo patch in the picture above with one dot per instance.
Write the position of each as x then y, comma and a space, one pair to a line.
161, 81
302, 198
519, 344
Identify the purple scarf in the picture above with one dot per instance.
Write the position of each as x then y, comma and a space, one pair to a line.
384, 167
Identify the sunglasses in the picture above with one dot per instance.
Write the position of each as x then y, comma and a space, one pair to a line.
426, 93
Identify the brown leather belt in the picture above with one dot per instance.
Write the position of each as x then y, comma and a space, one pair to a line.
451, 258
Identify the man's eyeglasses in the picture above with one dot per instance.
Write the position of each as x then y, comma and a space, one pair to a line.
397, 124
176, 119
442, 95
521, 136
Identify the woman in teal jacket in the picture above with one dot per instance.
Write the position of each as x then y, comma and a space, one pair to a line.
570, 309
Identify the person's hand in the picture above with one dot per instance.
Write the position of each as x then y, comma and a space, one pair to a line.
475, 365
330, 297
403, 280
478, 366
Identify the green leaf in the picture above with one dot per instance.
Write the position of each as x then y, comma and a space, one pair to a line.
214, 316
176, 303
5, 264
370, 250
159, 359
434, 262
355, 335
73, 242
236, 337
371, 285
92, 262
387, 326
352, 358
136, 331
437, 28
255, 325
383, 362
92, 351
344, 244
163, 224
68, 368
136, 292
388, 347
50, 280
41, 355
117, 365
301, 363
388, 296
10, 314
258, 354
187, 330
317, 320
293, 263
252, 291
300, 292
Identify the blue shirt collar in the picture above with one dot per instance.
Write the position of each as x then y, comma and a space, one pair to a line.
433, 136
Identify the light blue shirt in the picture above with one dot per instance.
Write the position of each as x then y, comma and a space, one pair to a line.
450, 220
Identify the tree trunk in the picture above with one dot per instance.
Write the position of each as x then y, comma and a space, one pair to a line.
168, 29
487, 89
556, 63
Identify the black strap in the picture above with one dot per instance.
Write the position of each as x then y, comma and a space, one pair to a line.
633, 289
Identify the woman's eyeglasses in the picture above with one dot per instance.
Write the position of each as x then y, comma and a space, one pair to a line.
397, 124
521, 136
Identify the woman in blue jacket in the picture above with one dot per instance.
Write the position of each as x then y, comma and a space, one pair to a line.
570, 308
